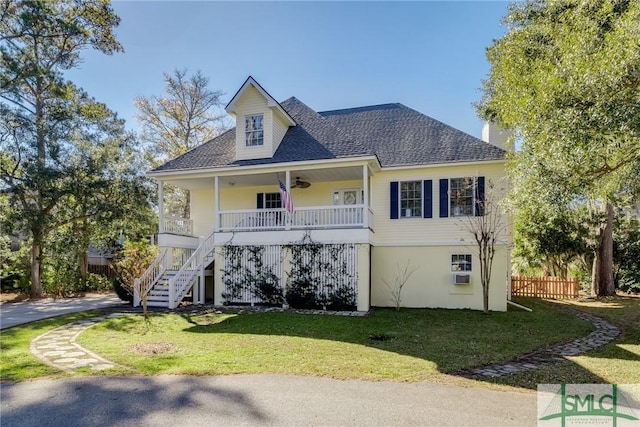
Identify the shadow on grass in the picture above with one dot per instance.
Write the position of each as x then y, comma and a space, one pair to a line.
453, 339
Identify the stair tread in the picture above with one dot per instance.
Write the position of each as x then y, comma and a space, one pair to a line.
158, 295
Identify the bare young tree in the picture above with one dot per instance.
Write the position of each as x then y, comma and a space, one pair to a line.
486, 229
185, 116
401, 275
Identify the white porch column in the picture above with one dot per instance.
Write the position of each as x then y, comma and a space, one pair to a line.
161, 206
201, 285
216, 204
365, 189
364, 278
218, 286
287, 178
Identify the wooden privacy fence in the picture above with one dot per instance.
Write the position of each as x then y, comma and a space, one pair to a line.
102, 270
544, 287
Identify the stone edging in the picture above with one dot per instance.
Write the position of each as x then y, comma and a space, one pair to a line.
247, 309
58, 347
604, 334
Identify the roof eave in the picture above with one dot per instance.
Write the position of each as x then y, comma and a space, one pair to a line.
230, 108
282, 165
445, 164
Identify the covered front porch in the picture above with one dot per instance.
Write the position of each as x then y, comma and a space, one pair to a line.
332, 196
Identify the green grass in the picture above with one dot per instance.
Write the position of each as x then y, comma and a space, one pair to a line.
410, 345
16, 361
615, 363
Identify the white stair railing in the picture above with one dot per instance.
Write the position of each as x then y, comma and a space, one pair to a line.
144, 283
187, 276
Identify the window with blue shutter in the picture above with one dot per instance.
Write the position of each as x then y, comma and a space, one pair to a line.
444, 198
260, 201
479, 210
393, 200
427, 199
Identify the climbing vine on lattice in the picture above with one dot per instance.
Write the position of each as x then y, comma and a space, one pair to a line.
247, 278
322, 275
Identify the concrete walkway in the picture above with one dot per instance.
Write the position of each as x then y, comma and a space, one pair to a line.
17, 313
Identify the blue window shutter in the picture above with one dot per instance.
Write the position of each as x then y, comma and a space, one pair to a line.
393, 200
479, 210
427, 199
444, 198
260, 202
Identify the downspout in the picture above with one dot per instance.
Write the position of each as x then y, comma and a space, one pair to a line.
515, 304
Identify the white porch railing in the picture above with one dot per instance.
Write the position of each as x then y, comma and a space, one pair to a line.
144, 283
304, 217
175, 225
188, 274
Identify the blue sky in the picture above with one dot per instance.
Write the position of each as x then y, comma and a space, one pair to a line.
427, 55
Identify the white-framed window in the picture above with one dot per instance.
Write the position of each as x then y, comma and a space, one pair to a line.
272, 200
461, 262
461, 196
410, 199
254, 130
348, 196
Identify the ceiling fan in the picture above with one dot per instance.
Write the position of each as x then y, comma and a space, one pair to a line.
300, 183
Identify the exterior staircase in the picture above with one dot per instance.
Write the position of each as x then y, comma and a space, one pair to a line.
158, 295
163, 286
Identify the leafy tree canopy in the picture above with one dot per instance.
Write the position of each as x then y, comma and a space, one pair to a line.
66, 159
566, 78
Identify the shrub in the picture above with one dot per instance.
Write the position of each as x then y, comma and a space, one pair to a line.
629, 281
96, 282
302, 294
123, 293
343, 298
268, 290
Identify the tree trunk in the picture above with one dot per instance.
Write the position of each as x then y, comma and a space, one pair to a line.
84, 268
83, 253
186, 210
36, 286
485, 299
602, 283
595, 268
36, 246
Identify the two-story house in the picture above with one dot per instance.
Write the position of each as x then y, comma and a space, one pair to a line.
365, 192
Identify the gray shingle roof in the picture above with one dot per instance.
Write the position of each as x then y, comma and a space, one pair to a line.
396, 134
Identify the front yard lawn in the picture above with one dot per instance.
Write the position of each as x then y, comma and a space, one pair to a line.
410, 345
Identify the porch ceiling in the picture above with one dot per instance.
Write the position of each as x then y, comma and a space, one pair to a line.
246, 179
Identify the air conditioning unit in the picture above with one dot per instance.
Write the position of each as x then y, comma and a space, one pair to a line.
460, 279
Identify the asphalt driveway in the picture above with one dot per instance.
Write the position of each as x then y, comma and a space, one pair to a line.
17, 313
265, 400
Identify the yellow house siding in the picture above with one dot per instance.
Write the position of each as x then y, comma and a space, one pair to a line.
202, 208
252, 102
279, 129
431, 283
238, 198
318, 194
423, 231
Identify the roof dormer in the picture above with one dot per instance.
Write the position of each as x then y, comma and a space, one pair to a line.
261, 122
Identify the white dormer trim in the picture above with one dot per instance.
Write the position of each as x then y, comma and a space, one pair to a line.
271, 102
